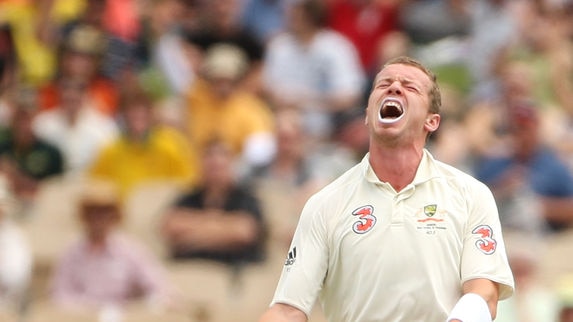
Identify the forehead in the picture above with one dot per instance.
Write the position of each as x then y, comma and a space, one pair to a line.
404, 72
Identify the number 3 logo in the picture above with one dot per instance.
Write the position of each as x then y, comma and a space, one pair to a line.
366, 219
486, 243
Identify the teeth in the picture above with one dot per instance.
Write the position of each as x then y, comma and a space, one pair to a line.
392, 104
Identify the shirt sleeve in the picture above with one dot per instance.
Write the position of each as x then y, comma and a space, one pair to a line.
484, 254
306, 263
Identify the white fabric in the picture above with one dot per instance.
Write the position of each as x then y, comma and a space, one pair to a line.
259, 149
79, 143
329, 64
15, 262
412, 262
470, 308
172, 60
305, 74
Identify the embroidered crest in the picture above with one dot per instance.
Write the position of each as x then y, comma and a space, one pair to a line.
430, 210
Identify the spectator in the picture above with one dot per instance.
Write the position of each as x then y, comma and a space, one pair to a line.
429, 21
451, 143
366, 23
302, 70
121, 19
34, 58
350, 135
493, 28
532, 301
15, 258
545, 51
220, 23
75, 127
80, 58
527, 161
347, 145
264, 18
8, 70
26, 159
170, 20
218, 107
288, 180
105, 268
219, 220
146, 151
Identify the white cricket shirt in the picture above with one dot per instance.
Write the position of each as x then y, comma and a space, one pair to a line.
369, 253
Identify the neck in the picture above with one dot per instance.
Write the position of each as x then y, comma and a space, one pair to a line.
23, 143
216, 195
287, 161
138, 137
71, 117
97, 243
306, 36
396, 166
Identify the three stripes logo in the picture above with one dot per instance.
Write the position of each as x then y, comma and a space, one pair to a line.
291, 257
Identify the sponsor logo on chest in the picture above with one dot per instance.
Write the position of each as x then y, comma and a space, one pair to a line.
430, 219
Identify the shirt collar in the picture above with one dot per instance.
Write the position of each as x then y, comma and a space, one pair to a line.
426, 169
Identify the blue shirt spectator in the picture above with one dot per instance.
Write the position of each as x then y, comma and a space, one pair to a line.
528, 161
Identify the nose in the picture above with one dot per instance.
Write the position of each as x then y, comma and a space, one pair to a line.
395, 88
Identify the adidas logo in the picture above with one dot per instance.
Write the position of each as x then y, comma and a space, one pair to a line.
291, 257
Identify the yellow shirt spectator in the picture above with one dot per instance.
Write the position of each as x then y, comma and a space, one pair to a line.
164, 155
36, 58
240, 120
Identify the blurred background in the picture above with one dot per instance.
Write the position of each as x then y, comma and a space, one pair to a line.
155, 154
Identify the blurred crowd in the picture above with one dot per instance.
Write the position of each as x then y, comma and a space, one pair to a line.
155, 154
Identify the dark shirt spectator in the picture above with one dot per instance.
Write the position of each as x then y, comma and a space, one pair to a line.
237, 199
219, 22
220, 220
27, 159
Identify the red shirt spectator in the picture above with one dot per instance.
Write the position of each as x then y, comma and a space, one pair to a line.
365, 23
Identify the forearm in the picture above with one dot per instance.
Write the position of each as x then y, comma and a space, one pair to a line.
211, 230
225, 232
486, 289
479, 302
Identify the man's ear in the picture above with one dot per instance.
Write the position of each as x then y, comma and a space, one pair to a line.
366, 116
432, 122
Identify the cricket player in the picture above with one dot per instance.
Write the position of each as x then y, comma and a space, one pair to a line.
400, 236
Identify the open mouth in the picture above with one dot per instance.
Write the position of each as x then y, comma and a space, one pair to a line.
391, 111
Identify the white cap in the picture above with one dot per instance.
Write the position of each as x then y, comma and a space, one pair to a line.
225, 61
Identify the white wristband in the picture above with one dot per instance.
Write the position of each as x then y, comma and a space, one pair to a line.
470, 308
